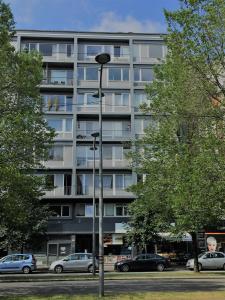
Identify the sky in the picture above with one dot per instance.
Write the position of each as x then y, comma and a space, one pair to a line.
92, 15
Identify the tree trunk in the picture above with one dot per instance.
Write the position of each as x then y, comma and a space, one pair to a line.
195, 251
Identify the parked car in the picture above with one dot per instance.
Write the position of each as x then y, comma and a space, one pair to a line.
25, 263
143, 262
208, 260
74, 262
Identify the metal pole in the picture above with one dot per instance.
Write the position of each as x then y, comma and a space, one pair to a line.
93, 227
101, 246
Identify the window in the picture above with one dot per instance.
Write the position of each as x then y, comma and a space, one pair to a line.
80, 209
45, 49
118, 74
143, 74
57, 102
86, 210
56, 153
50, 180
122, 99
121, 210
93, 50
139, 98
87, 73
61, 125
155, 51
68, 126
56, 124
60, 210
109, 210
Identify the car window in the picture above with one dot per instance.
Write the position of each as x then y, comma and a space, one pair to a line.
150, 256
8, 258
218, 255
83, 256
208, 255
17, 257
73, 257
141, 257
25, 257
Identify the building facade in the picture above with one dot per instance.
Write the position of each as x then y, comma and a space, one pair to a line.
70, 78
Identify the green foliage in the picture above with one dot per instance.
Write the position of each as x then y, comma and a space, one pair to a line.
184, 156
24, 137
197, 31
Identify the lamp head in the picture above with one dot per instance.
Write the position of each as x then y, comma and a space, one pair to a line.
96, 95
95, 134
102, 58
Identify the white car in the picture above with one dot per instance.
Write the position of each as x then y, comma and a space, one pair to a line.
208, 260
73, 262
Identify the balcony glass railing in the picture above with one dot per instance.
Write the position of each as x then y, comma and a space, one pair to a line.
83, 162
61, 81
109, 134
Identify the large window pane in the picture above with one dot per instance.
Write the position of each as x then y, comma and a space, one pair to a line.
114, 74
80, 73
80, 209
125, 74
45, 49
88, 210
147, 75
69, 103
65, 211
92, 74
56, 124
136, 75
155, 51
119, 181
80, 99
109, 209
93, 50
69, 125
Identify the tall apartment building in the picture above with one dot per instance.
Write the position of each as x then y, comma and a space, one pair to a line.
71, 77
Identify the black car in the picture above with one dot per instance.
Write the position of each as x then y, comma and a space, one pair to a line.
143, 262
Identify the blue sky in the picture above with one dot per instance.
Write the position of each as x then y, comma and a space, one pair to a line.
92, 15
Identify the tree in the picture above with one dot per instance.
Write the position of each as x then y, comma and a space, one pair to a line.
24, 139
183, 157
198, 33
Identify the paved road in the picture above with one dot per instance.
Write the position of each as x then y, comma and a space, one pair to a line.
111, 286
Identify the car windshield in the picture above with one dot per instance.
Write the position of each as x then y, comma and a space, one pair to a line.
201, 254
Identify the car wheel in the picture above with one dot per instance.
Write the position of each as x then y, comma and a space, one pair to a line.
58, 269
90, 269
26, 270
223, 267
125, 268
160, 267
199, 267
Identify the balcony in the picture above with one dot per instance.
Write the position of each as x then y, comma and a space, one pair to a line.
106, 134
83, 162
113, 184
59, 192
57, 82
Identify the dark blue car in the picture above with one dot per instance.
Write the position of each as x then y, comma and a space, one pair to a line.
25, 263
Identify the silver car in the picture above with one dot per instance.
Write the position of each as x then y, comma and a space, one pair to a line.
208, 260
73, 262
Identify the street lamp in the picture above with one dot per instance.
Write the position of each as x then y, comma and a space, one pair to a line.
102, 59
94, 135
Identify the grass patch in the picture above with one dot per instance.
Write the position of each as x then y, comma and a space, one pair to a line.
139, 296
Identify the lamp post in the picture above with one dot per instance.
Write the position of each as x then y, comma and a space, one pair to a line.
94, 135
102, 59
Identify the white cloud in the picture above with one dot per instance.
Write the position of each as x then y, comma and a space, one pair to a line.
114, 23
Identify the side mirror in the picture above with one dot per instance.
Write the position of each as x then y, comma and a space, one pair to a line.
66, 259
